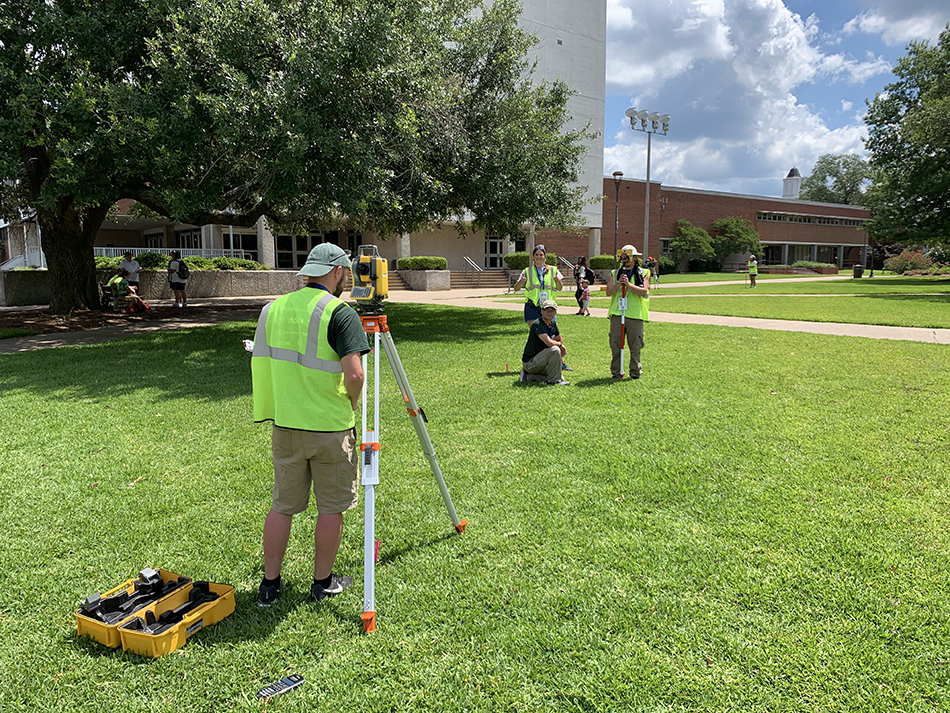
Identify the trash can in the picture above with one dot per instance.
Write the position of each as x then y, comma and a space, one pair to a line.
858, 271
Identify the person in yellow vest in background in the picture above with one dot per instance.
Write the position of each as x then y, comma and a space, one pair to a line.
541, 282
753, 267
636, 279
308, 377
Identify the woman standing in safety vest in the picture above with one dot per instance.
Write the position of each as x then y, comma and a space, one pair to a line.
541, 282
753, 266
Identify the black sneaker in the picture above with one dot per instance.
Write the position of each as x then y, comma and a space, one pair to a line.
267, 594
337, 585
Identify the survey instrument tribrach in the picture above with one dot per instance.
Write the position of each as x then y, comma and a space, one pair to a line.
370, 288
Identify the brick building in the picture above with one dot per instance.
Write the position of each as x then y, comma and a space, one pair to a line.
789, 229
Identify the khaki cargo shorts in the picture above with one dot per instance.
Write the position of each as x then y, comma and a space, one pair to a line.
323, 462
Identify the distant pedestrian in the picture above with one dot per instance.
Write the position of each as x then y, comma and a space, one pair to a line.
178, 278
753, 266
581, 272
132, 265
584, 301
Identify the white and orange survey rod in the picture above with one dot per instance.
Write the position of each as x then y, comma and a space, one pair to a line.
623, 324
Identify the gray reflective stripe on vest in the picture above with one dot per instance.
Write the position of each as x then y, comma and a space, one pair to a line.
308, 360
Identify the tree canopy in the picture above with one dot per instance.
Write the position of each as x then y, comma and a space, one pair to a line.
734, 235
909, 148
389, 114
690, 240
837, 178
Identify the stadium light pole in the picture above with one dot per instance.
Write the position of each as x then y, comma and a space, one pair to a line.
618, 175
649, 123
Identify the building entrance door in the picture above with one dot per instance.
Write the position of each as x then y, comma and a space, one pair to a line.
494, 253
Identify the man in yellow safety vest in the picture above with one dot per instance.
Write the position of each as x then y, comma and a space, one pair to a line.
307, 378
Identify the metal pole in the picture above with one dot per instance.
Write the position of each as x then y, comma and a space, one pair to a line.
646, 207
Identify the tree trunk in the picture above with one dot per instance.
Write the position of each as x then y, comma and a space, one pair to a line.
68, 235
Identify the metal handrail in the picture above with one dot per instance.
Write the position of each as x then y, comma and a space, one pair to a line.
472, 264
475, 270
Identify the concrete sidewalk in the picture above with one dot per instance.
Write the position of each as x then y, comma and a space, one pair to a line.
483, 298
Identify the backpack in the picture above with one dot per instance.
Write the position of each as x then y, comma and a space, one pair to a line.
182, 270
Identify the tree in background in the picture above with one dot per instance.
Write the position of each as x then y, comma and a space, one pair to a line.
389, 115
690, 241
909, 148
734, 235
837, 178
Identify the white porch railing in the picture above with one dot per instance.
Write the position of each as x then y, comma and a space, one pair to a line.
185, 252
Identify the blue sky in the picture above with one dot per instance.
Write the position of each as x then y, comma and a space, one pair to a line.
754, 87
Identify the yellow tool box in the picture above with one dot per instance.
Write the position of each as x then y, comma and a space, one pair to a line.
155, 613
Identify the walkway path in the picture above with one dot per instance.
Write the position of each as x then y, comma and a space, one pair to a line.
485, 298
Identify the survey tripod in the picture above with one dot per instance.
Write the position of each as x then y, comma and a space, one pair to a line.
375, 323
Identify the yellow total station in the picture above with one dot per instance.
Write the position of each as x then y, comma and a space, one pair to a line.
370, 276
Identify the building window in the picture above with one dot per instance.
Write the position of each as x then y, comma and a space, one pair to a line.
190, 238
665, 246
292, 250
154, 240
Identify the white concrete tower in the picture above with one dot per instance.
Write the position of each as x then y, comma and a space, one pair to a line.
792, 185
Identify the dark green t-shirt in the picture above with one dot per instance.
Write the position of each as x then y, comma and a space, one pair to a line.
535, 345
345, 332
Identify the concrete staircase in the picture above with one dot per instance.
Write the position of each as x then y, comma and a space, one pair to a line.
489, 279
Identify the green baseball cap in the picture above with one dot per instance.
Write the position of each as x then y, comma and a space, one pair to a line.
324, 258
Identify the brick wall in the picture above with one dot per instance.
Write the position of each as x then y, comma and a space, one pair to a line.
703, 208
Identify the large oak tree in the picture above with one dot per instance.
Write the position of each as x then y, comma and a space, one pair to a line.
390, 114
909, 145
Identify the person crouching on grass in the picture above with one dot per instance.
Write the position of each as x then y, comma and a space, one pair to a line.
544, 352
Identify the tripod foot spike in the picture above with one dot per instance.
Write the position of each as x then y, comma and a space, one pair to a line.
369, 621
460, 528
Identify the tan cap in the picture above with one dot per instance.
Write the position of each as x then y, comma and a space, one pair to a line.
549, 304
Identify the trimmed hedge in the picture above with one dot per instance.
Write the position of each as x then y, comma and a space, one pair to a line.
666, 264
698, 264
423, 262
601, 262
521, 260
811, 263
153, 261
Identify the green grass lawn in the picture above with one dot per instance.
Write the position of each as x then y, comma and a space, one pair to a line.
759, 524
898, 301
812, 286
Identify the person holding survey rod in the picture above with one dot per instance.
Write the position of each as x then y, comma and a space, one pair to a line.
629, 289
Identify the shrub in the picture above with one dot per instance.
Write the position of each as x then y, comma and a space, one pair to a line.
811, 263
196, 262
940, 253
666, 265
153, 261
601, 262
698, 264
909, 261
107, 263
225, 263
423, 262
521, 260
251, 265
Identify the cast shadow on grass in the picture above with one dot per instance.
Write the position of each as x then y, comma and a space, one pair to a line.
200, 364
439, 323
387, 556
210, 363
917, 299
